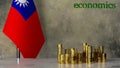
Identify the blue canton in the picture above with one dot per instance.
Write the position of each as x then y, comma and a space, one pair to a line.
26, 11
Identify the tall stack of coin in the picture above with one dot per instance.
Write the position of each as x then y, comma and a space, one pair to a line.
60, 49
89, 55
84, 53
73, 56
86, 48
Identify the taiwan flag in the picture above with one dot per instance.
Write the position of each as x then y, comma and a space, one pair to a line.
23, 28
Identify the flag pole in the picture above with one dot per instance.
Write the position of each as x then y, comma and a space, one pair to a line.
18, 55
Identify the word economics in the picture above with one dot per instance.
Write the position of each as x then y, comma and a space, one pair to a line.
95, 5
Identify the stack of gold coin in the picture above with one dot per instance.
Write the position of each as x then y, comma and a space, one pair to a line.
86, 52
95, 55
62, 59
79, 58
83, 57
89, 55
67, 58
104, 57
73, 56
100, 53
60, 49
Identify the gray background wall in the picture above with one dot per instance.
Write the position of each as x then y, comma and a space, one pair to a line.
64, 24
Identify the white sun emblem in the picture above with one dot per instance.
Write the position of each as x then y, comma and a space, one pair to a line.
23, 3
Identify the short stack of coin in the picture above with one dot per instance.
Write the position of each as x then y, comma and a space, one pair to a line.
73, 56
67, 56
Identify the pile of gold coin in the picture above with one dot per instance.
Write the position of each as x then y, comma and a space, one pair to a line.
88, 55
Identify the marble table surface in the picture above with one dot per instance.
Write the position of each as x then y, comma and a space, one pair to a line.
52, 63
